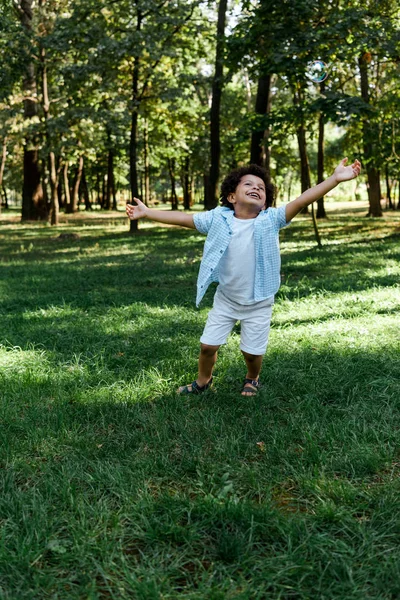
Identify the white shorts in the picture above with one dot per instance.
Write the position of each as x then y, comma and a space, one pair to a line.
255, 320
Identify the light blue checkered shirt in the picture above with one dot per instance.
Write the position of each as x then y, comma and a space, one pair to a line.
217, 224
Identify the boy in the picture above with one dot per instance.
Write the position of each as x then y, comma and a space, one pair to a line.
241, 252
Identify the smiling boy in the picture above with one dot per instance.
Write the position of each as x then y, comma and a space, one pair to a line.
241, 253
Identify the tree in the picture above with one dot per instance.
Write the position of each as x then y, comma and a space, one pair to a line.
211, 200
33, 201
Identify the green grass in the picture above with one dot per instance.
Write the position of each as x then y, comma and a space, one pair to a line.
111, 486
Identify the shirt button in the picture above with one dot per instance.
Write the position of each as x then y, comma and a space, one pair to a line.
221, 251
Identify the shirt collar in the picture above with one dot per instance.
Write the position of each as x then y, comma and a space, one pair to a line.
228, 215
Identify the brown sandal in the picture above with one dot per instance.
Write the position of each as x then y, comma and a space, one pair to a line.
195, 388
251, 386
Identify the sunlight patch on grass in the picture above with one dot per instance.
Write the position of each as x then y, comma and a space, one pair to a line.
325, 305
17, 360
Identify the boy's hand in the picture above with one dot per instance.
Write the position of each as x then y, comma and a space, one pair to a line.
343, 173
136, 212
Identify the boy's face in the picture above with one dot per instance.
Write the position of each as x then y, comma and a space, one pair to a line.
249, 194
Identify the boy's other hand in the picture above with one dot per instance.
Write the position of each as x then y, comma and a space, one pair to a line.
343, 173
136, 212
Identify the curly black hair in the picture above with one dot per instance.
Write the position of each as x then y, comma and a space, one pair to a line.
232, 180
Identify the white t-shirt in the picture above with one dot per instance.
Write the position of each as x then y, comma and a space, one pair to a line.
237, 267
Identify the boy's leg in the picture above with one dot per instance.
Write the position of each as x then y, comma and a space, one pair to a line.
253, 362
220, 322
255, 325
207, 359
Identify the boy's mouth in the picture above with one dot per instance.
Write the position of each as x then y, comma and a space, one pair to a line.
254, 195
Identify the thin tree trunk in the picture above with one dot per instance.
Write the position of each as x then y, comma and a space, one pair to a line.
304, 164
301, 141
174, 197
146, 163
85, 190
388, 188
113, 191
110, 170
259, 153
5, 197
133, 145
187, 185
67, 199
73, 205
133, 174
374, 186
54, 206
321, 213
2, 164
60, 193
103, 191
212, 188
98, 189
53, 173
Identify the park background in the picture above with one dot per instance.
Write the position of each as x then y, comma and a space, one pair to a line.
111, 486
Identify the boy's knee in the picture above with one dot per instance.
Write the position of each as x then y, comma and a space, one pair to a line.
208, 350
252, 357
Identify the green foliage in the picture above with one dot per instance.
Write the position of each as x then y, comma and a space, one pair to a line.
93, 48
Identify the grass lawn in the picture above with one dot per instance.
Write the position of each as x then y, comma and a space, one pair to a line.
114, 487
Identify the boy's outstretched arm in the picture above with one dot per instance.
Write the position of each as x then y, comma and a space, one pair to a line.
172, 217
341, 173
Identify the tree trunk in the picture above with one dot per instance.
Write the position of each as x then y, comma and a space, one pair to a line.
146, 164
103, 190
53, 173
212, 188
2, 164
133, 148
110, 171
321, 213
113, 191
54, 206
5, 197
85, 190
133, 174
301, 141
67, 199
187, 185
174, 197
60, 193
304, 164
259, 153
369, 137
34, 206
388, 188
72, 207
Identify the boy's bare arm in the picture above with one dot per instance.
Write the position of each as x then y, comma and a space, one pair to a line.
172, 217
341, 173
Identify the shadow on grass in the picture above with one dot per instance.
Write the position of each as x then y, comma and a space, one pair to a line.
148, 270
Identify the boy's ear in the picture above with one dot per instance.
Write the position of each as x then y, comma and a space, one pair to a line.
231, 198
